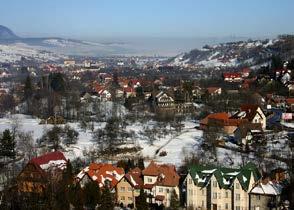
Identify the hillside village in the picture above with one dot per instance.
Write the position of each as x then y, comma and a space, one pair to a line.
141, 133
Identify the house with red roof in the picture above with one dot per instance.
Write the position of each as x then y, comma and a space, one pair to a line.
40, 172
214, 91
128, 188
159, 182
232, 77
251, 112
222, 121
102, 173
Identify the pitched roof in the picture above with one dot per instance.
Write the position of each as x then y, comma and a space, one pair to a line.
201, 175
248, 111
134, 177
50, 160
267, 188
218, 116
290, 100
166, 174
101, 172
211, 90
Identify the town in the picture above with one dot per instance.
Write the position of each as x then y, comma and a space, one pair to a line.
149, 106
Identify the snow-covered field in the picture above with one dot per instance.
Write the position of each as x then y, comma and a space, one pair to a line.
187, 140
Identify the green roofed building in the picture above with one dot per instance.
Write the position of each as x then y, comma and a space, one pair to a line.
218, 188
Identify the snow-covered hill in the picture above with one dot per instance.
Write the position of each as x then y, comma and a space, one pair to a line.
11, 53
232, 54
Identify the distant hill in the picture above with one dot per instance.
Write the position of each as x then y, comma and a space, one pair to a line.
252, 53
6, 33
10, 43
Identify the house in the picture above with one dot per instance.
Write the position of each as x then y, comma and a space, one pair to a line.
159, 182
245, 72
251, 112
290, 104
164, 100
221, 121
213, 91
128, 188
69, 62
232, 77
102, 173
213, 188
265, 195
245, 132
40, 173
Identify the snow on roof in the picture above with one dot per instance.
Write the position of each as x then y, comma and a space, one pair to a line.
208, 171
133, 181
233, 173
54, 163
267, 189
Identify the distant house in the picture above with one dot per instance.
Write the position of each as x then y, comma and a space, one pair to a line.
245, 72
290, 104
164, 100
221, 121
213, 91
128, 188
252, 113
265, 195
40, 173
159, 182
232, 77
69, 62
245, 132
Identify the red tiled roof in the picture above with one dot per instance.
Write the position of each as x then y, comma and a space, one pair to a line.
216, 116
46, 158
290, 100
134, 178
232, 75
101, 172
166, 174
212, 89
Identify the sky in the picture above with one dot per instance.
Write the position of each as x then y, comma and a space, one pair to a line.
93, 19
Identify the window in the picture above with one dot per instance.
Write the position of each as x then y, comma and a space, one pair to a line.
238, 208
219, 207
191, 192
190, 181
214, 196
202, 191
214, 183
202, 203
122, 189
122, 198
160, 189
167, 190
149, 180
226, 206
130, 198
237, 186
129, 189
237, 198
227, 194
219, 195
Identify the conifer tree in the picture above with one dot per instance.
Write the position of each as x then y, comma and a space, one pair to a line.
106, 200
7, 145
141, 203
174, 201
92, 195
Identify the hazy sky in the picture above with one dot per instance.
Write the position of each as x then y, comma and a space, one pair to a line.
92, 19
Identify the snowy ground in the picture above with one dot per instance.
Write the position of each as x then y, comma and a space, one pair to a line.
174, 144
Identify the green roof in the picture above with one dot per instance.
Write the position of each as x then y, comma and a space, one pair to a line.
201, 175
